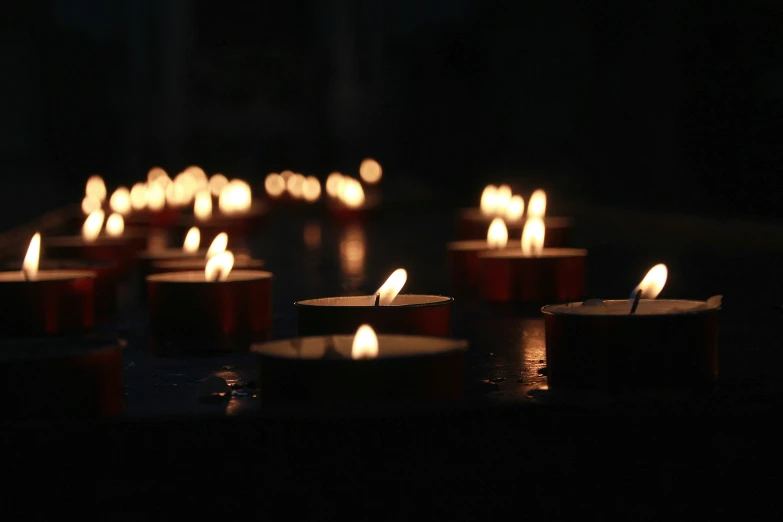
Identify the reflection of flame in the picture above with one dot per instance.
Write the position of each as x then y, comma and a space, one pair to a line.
218, 245
352, 193
533, 237
235, 198
115, 225
653, 282
216, 184
90, 204
92, 225
515, 208
489, 200
391, 287
370, 171
365, 343
536, 207
95, 188
274, 184
311, 189
334, 184
156, 197
312, 235
219, 266
30, 263
497, 234
120, 201
138, 196
352, 253
202, 206
192, 241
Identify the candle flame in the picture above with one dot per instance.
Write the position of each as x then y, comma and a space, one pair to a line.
236, 197
515, 208
95, 188
218, 245
489, 200
311, 190
202, 206
391, 287
295, 185
158, 176
138, 196
351, 193
198, 178
334, 184
192, 241
533, 237
115, 225
216, 184
536, 207
120, 201
365, 343
497, 234
30, 263
92, 225
90, 204
156, 197
370, 171
653, 282
219, 266
502, 197
275, 185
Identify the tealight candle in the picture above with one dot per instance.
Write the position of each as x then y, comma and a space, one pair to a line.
115, 245
360, 368
533, 274
190, 249
388, 311
464, 256
37, 302
347, 198
215, 309
472, 223
641, 343
62, 378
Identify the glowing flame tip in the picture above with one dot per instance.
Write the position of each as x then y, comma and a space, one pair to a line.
365, 343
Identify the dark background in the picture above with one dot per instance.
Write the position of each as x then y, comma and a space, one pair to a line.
662, 106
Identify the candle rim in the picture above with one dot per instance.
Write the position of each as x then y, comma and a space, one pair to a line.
194, 261
181, 277
559, 309
546, 253
170, 252
474, 213
440, 300
72, 275
444, 345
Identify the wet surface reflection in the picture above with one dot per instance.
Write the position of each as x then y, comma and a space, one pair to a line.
353, 253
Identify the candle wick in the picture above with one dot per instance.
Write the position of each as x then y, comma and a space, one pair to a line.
636, 301
378, 299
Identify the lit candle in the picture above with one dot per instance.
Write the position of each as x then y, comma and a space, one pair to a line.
37, 302
189, 249
500, 202
531, 274
364, 367
214, 309
464, 256
197, 260
387, 310
634, 344
237, 212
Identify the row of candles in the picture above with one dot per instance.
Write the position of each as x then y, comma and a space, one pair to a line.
204, 301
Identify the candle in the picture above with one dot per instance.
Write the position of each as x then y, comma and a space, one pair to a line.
499, 202
214, 309
533, 274
360, 368
113, 245
464, 256
634, 344
347, 198
63, 378
387, 310
37, 302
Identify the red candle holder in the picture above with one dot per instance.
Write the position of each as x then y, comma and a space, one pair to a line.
241, 262
556, 275
472, 224
54, 302
115, 249
189, 315
321, 370
665, 344
63, 378
464, 264
428, 315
